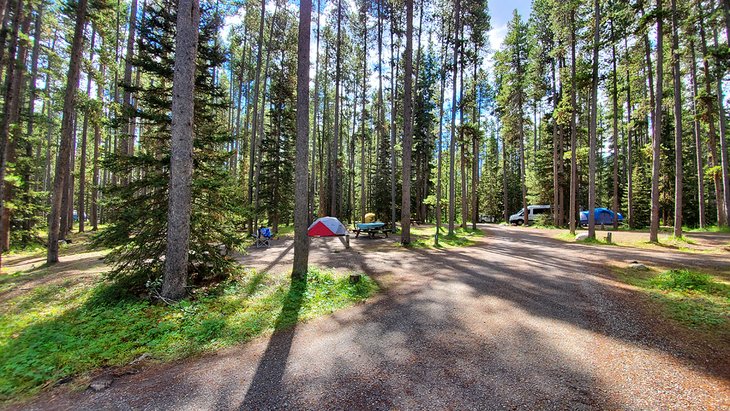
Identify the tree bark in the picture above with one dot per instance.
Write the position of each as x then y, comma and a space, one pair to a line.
81, 202
407, 129
181, 159
709, 118
615, 130
64, 154
676, 75
336, 139
630, 144
440, 135
593, 126
723, 137
301, 240
126, 141
452, 149
393, 110
656, 137
94, 217
697, 136
363, 18
573, 131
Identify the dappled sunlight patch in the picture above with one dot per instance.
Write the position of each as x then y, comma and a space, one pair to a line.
693, 298
67, 329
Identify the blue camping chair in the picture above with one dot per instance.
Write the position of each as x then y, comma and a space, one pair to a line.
263, 237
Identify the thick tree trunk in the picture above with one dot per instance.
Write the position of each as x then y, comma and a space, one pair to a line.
81, 202
725, 169
697, 136
364, 21
708, 115
656, 137
94, 217
10, 129
405, 217
254, 132
439, 160
64, 155
615, 132
452, 148
315, 125
593, 126
630, 144
573, 130
393, 109
181, 151
676, 75
335, 168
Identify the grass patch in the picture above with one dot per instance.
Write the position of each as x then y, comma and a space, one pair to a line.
566, 236
423, 237
70, 328
711, 229
693, 298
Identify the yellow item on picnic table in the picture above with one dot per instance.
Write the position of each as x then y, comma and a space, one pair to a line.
369, 217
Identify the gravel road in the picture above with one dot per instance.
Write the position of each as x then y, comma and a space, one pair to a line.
516, 322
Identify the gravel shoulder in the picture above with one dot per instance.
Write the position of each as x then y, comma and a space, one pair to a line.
517, 321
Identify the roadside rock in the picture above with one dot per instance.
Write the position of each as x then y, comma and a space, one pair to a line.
581, 237
635, 265
101, 383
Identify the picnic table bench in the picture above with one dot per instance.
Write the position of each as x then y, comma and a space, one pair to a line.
371, 229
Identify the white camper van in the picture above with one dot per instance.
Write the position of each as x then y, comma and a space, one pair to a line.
534, 210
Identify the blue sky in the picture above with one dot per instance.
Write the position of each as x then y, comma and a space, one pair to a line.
501, 12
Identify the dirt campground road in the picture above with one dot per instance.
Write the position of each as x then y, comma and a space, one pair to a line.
518, 321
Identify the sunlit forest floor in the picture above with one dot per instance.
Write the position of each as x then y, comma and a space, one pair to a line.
59, 323
63, 325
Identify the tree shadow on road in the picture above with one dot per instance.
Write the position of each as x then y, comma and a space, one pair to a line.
270, 371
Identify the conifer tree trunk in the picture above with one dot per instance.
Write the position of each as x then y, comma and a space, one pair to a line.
94, 215
615, 130
363, 19
725, 169
336, 139
462, 140
593, 127
557, 154
10, 128
48, 107
64, 155
407, 129
676, 75
697, 135
573, 130
315, 125
393, 95
630, 144
126, 141
254, 128
708, 115
181, 153
33, 90
452, 149
81, 202
439, 160
656, 137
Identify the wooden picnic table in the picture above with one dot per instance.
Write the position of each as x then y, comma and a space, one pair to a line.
371, 229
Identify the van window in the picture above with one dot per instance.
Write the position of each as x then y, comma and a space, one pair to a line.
538, 211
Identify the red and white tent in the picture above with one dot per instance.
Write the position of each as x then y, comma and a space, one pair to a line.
326, 227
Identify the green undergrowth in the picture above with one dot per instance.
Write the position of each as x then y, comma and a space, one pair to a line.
695, 299
70, 328
423, 237
599, 240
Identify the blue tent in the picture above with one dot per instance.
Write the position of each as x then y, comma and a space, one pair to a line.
603, 216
